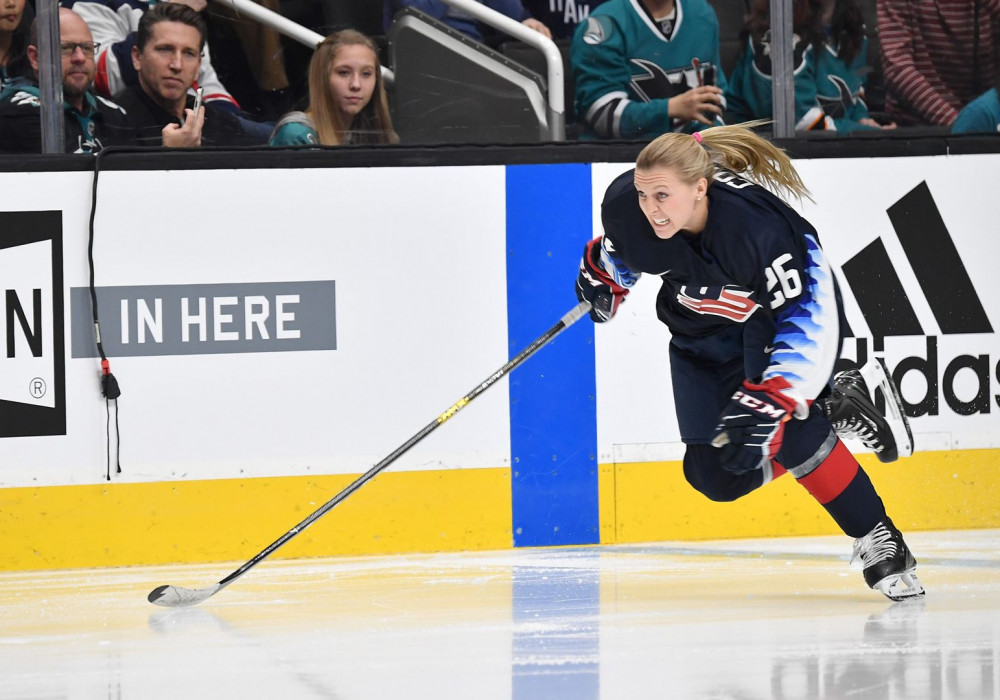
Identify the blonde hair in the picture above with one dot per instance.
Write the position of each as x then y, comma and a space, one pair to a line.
373, 124
735, 148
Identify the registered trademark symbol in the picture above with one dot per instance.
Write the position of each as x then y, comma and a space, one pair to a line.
37, 387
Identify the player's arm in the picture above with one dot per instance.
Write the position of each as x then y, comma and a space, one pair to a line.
604, 280
801, 291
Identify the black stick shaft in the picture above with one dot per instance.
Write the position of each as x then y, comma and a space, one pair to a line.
565, 322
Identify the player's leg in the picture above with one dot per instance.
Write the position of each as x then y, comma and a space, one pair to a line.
820, 462
704, 470
701, 390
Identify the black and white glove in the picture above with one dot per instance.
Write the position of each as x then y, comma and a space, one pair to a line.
595, 285
751, 428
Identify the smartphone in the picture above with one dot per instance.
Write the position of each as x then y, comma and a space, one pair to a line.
198, 96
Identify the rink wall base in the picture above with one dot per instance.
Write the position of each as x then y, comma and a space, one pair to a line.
447, 510
651, 501
232, 520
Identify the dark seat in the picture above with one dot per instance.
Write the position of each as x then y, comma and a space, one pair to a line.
732, 15
450, 88
534, 60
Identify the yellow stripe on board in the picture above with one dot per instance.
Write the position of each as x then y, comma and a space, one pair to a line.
233, 519
928, 491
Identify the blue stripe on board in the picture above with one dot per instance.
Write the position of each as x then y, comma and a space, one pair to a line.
553, 421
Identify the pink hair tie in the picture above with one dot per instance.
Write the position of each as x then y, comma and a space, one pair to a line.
697, 136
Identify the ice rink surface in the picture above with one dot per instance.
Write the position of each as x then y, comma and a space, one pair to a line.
740, 619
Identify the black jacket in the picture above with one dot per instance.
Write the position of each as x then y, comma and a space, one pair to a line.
101, 124
148, 119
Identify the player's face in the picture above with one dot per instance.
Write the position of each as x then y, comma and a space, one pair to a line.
669, 203
169, 62
352, 79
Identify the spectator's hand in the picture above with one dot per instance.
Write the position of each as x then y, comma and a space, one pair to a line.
187, 136
196, 5
868, 121
532, 23
696, 104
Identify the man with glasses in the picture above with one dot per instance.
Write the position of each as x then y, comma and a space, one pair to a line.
90, 122
167, 59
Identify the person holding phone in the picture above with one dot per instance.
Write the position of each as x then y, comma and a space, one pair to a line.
642, 68
167, 57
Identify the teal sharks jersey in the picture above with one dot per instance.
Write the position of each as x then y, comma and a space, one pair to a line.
982, 115
829, 94
625, 67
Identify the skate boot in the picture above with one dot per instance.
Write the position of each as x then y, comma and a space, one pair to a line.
851, 409
887, 562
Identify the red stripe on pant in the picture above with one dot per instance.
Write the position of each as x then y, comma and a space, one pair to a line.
829, 479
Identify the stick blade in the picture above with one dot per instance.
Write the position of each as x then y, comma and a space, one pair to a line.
180, 597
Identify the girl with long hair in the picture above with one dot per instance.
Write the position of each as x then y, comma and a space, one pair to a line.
347, 98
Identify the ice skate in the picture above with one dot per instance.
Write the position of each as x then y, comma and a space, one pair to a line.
887, 562
851, 409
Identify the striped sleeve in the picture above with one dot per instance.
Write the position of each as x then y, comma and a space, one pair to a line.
927, 54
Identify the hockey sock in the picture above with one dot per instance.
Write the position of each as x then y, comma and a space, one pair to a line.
776, 470
844, 489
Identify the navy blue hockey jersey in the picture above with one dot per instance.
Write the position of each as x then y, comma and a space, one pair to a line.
757, 262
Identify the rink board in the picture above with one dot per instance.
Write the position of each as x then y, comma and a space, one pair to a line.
269, 353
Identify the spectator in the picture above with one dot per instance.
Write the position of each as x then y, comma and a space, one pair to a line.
646, 67
561, 16
937, 56
90, 123
115, 23
347, 99
465, 23
982, 115
13, 39
829, 67
166, 56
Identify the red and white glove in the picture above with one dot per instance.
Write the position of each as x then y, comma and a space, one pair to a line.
751, 428
596, 286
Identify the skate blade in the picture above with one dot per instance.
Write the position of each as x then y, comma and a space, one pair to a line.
876, 376
900, 586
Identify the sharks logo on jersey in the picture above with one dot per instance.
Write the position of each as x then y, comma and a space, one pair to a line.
762, 53
654, 82
839, 106
594, 34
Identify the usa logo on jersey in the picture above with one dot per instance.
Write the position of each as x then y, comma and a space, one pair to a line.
727, 301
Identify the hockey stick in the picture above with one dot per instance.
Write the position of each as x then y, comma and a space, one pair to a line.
177, 596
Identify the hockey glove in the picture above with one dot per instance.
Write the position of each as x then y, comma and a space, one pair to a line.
596, 286
751, 428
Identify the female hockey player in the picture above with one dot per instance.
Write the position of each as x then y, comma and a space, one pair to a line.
347, 98
755, 321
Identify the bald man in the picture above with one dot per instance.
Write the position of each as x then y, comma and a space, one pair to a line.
90, 122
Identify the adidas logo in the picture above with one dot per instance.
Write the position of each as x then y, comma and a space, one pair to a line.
949, 293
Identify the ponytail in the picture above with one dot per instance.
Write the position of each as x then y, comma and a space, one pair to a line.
735, 148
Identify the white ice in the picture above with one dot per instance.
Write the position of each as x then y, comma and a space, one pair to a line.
740, 619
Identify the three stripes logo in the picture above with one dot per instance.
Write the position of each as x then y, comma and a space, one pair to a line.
948, 290
33, 375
